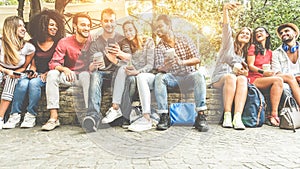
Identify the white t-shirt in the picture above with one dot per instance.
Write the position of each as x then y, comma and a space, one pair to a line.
26, 50
294, 68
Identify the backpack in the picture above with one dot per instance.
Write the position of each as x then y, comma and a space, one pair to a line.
254, 110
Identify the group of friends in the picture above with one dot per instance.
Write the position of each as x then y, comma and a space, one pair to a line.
50, 59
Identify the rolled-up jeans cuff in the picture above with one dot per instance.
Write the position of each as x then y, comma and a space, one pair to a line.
202, 108
161, 111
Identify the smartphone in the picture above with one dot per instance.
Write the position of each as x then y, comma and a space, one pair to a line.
29, 72
245, 65
17, 73
98, 57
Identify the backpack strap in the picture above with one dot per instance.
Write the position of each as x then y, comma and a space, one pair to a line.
260, 105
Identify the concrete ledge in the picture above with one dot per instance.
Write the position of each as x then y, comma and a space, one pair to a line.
72, 109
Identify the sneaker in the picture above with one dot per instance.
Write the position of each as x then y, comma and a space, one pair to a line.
227, 122
142, 124
1, 124
50, 125
126, 124
89, 124
201, 123
111, 115
13, 121
29, 121
155, 119
164, 122
237, 122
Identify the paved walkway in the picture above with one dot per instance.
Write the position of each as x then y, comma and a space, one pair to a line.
178, 147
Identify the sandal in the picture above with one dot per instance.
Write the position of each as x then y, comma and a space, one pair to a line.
273, 121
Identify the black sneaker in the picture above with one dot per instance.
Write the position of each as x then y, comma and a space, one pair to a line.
125, 124
201, 123
89, 124
164, 122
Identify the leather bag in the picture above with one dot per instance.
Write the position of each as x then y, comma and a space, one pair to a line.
290, 115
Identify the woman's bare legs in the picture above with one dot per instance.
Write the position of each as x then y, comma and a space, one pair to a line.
276, 88
228, 83
241, 92
233, 86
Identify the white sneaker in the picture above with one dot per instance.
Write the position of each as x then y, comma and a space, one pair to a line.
29, 121
13, 121
50, 125
237, 122
141, 124
1, 124
227, 122
111, 115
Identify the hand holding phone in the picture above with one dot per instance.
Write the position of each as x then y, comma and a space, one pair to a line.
29, 72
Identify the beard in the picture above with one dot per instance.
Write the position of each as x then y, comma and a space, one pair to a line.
287, 39
83, 34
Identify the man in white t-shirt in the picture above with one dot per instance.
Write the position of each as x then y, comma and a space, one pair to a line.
286, 58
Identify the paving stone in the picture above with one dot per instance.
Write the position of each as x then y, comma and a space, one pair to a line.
178, 147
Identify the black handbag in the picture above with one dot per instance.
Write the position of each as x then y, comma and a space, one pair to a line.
290, 115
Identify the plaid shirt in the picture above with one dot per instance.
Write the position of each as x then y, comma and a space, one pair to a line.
184, 49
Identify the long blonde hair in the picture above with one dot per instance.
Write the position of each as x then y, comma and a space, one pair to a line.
11, 43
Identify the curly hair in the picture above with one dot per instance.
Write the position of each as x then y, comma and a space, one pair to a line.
38, 25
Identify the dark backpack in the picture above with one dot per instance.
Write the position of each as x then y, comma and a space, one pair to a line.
254, 110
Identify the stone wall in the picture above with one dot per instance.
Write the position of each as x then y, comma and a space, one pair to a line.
72, 108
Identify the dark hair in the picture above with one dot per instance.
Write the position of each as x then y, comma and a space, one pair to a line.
258, 46
38, 25
81, 15
165, 18
237, 45
137, 42
107, 11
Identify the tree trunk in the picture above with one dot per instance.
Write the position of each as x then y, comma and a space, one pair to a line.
20, 8
35, 7
60, 5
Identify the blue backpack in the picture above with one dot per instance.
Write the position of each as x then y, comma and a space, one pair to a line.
254, 110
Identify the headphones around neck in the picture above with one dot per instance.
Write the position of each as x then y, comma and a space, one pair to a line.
293, 49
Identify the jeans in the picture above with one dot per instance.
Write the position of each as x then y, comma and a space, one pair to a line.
95, 93
194, 80
34, 89
54, 78
145, 83
128, 95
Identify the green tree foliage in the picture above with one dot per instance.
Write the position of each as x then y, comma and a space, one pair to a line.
268, 13
271, 13
196, 14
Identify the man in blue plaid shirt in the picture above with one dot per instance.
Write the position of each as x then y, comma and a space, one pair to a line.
175, 59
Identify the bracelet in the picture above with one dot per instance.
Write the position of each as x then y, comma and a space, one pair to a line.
260, 71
